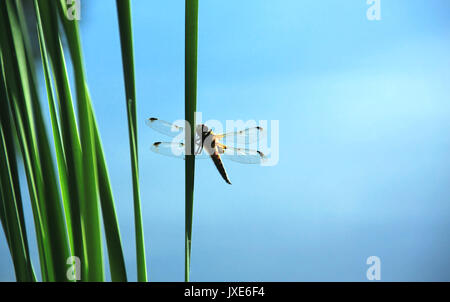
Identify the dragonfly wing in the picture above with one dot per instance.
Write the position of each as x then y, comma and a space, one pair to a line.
169, 149
174, 149
164, 127
243, 137
242, 155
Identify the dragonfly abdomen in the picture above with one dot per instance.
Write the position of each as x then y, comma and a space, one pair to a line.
219, 165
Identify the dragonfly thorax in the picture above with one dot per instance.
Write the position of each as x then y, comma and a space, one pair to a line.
202, 130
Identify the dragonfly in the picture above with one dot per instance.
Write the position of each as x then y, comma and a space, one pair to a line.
209, 144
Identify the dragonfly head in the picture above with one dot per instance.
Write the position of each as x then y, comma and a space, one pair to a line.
202, 129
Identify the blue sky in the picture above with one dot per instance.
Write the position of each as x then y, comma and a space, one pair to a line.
363, 107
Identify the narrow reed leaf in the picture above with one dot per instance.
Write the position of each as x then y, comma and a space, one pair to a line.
28, 120
3, 105
12, 220
191, 34
56, 232
10, 78
47, 19
60, 158
3, 220
12, 133
11, 209
8, 134
90, 206
126, 39
111, 224
32, 188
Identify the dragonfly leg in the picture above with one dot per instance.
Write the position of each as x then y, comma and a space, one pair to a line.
199, 147
221, 147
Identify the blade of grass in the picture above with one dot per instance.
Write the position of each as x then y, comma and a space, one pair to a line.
111, 225
89, 203
112, 232
31, 178
3, 220
15, 230
60, 158
14, 95
31, 124
10, 133
56, 227
30, 62
3, 100
191, 34
126, 40
69, 130
11, 209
